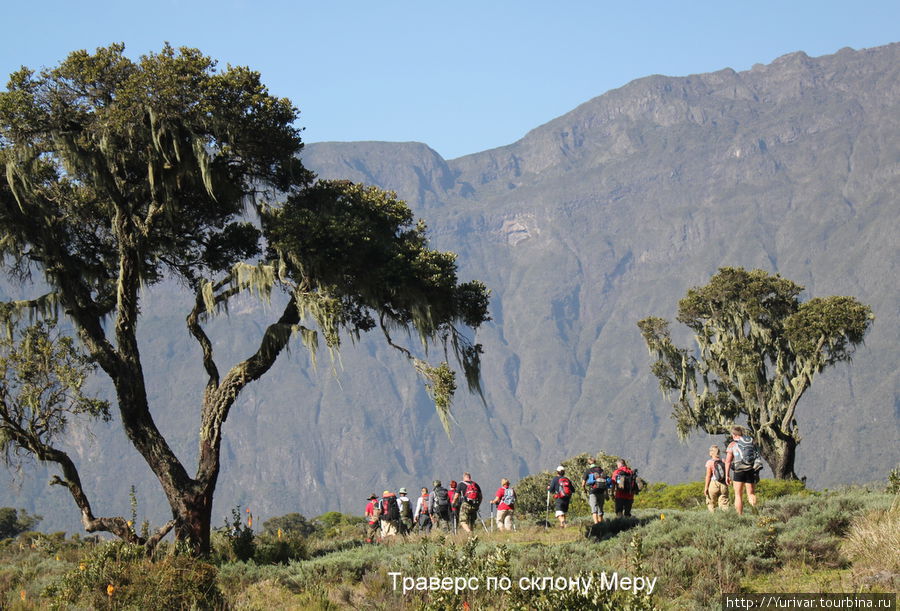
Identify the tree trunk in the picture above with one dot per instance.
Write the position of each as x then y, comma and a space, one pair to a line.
779, 451
195, 522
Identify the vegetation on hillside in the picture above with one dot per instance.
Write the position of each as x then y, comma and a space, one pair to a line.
799, 541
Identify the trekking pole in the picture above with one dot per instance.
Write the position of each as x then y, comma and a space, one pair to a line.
492, 517
482, 522
547, 513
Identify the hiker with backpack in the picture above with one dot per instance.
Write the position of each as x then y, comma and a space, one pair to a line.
594, 484
389, 514
423, 512
456, 495
626, 486
715, 488
371, 518
743, 456
561, 488
505, 500
406, 513
470, 502
440, 506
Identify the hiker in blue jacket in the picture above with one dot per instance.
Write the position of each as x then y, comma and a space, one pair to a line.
594, 484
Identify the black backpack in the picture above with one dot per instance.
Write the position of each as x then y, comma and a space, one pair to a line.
746, 454
627, 482
390, 511
719, 470
441, 498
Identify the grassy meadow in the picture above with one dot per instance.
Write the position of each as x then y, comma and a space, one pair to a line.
797, 541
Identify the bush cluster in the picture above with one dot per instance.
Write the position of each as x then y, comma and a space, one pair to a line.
792, 541
531, 490
690, 494
120, 575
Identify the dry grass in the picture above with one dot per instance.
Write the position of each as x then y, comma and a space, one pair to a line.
872, 544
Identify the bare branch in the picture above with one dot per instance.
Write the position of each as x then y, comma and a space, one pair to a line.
193, 325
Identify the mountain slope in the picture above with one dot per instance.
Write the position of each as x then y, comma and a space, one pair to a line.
589, 223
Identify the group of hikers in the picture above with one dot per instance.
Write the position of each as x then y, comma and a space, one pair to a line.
448, 508
458, 506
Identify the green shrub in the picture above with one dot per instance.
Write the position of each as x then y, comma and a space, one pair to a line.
690, 495
120, 575
699, 555
677, 496
292, 523
442, 558
14, 522
893, 486
235, 541
338, 530
280, 550
811, 529
768, 489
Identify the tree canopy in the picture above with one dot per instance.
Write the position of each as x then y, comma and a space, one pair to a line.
13, 523
759, 347
121, 173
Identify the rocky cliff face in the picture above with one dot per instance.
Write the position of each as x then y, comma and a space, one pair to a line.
589, 223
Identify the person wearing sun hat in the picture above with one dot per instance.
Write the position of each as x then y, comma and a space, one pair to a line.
372, 518
406, 513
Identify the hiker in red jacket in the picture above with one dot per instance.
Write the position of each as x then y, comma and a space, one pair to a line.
623, 479
372, 518
505, 500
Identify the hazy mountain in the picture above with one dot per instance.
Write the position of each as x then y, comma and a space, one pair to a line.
587, 224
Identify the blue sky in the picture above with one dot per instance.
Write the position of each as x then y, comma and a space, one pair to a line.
460, 76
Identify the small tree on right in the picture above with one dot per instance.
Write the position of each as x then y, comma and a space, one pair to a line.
758, 348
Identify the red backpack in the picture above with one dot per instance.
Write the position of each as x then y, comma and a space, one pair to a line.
564, 487
472, 493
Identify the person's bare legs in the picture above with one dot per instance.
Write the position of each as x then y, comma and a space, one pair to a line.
739, 497
751, 494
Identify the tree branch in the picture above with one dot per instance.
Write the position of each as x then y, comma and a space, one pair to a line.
218, 404
193, 325
71, 480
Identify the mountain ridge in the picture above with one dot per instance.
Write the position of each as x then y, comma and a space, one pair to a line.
589, 222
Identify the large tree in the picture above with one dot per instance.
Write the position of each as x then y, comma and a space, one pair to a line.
121, 173
758, 349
